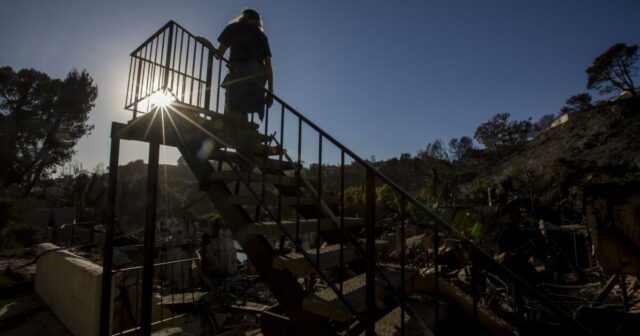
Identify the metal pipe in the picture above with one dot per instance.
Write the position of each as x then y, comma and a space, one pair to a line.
107, 249
149, 238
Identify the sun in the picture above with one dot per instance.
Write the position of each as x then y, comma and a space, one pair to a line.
162, 98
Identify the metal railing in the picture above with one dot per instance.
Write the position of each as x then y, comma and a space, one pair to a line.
175, 295
289, 129
172, 61
73, 233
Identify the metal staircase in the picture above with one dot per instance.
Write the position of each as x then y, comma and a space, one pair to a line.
333, 270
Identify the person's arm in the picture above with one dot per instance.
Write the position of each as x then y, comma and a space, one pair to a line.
221, 50
216, 52
267, 63
226, 39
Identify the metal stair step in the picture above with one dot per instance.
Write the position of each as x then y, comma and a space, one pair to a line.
271, 199
306, 226
329, 257
260, 161
326, 303
212, 119
236, 136
260, 149
231, 176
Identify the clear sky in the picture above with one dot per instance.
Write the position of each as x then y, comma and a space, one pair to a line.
383, 77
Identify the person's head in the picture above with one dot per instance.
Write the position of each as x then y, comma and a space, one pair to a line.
250, 16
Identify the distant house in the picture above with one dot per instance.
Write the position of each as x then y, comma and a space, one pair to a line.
625, 95
561, 120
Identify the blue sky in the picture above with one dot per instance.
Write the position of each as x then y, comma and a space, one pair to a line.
383, 77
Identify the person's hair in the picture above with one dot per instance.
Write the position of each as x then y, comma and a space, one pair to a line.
250, 16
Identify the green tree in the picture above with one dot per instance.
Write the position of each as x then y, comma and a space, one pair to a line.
577, 103
614, 70
354, 201
459, 147
434, 150
498, 134
386, 201
41, 120
544, 122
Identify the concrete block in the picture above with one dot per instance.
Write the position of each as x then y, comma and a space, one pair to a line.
71, 287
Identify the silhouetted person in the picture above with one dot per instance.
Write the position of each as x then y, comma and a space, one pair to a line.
249, 69
249, 65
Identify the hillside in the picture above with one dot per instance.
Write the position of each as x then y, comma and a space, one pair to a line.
596, 145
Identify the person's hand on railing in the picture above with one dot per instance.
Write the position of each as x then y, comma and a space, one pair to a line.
269, 99
218, 53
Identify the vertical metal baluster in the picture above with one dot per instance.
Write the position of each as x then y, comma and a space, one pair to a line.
319, 215
191, 285
186, 68
369, 220
129, 80
200, 93
182, 280
171, 292
163, 56
218, 88
299, 173
179, 87
151, 69
264, 158
137, 315
138, 88
193, 71
402, 265
174, 42
208, 80
145, 75
168, 60
280, 160
474, 288
123, 273
436, 248
163, 270
342, 231
155, 61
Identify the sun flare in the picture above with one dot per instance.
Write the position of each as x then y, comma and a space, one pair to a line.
162, 99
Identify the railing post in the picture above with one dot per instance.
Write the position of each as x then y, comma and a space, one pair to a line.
436, 277
107, 247
370, 258
167, 66
149, 238
137, 88
207, 91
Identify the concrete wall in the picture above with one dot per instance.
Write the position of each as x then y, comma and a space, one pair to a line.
71, 287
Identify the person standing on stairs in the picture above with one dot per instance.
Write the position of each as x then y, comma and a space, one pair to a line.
249, 70
249, 65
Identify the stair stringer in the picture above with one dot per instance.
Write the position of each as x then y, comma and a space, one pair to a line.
282, 284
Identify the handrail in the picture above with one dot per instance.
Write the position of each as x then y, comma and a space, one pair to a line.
434, 217
433, 220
